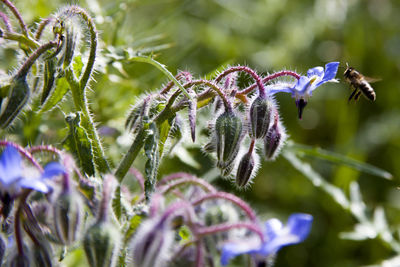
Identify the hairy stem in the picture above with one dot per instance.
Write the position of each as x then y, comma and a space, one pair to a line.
269, 78
232, 198
131, 155
23, 71
16, 13
255, 76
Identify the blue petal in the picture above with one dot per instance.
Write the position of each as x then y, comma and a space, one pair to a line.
272, 227
300, 225
318, 71
330, 71
10, 165
302, 85
231, 250
35, 184
297, 229
279, 88
53, 169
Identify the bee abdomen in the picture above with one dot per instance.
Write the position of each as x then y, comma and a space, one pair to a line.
367, 90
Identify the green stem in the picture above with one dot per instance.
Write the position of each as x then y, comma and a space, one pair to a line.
131, 155
79, 90
22, 39
162, 68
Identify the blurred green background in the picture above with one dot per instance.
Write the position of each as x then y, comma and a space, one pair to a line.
268, 35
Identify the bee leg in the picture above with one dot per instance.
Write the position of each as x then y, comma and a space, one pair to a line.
357, 96
352, 94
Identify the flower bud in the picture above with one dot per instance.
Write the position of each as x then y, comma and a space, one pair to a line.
71, 41
274, 140
19, 93
42, 254
2, 248
151, 243
68, 214
260, 116
228, 135
245, 170
101, 244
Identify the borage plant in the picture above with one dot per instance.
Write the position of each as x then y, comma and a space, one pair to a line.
50, 213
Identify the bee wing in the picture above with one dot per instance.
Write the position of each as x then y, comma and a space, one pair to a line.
372, 80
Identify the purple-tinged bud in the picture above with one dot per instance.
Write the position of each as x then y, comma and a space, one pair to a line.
300, 104
245, 169
2, 248
260, 116
42, 254
274, 140
228, 135
152, 243
101, 244
68, 216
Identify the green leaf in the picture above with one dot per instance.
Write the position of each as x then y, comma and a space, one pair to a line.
79, 143
153, 159
305, 168
164, 130
116, 203
185, 234
77, 66
338, 159
56, 95
134, 223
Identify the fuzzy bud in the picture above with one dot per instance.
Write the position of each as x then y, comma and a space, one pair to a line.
3, 247
245, 170
274, 140
101, 244
151, 243
68, 215
19, 93
42, 254
228, 135
260, 116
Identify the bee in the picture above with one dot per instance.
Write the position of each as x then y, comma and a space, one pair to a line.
360, 84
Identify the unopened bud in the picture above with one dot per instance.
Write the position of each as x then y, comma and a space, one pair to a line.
70, 46
226, 169
19, 93
260, 116
42, 254
2, 248
68, 215
274, 140
228, 135
151, 244
245, 170
101, 244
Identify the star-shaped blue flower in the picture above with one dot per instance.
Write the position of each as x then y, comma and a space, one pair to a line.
276, 236
12, 177
304, 87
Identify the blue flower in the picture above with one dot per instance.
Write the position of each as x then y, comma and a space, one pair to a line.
304, 87
276, 236
12, 174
